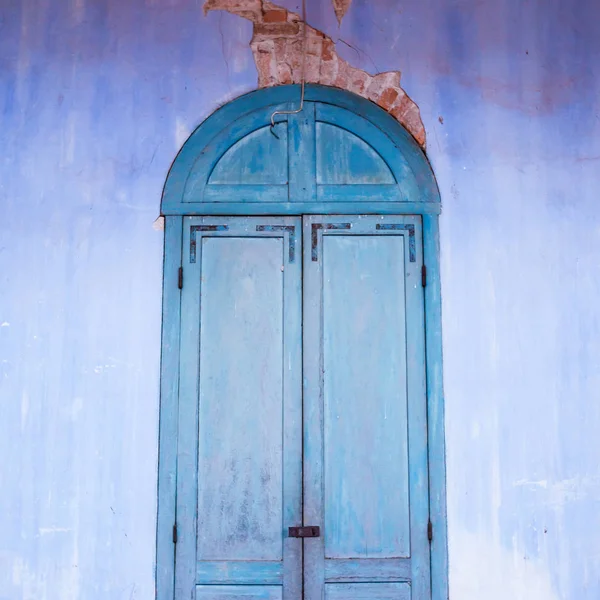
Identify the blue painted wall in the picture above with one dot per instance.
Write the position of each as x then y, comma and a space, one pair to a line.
96, 97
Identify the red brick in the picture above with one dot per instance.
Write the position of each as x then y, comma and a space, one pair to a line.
357, 80
292, 55
284, 73
341, 78
314, 42
275, 16
328, 49
263, 57
312, 67
411, 119
387, 98
400, 106
328, 72
276, 29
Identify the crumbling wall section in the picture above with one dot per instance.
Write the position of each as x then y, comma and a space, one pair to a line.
278, 44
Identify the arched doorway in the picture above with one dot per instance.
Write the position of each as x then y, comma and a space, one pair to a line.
301, 434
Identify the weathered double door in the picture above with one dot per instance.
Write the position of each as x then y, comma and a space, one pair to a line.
302, 403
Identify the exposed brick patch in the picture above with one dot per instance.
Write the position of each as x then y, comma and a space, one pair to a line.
275, 16
387, 98
277, 45
276, 30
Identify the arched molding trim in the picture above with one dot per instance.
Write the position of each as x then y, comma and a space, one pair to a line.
233, 163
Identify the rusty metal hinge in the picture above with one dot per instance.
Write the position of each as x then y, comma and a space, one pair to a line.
175, 533
423, 275
429, 530
180, 278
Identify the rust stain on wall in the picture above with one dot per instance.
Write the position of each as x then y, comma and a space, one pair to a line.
277, 45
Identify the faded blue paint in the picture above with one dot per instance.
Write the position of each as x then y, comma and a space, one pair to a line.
196, 228
412, 247
239, 448
395, 178
97, 98
369, 327
291, 229
363, 305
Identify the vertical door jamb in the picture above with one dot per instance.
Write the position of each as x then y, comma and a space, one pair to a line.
435, 409
168, 416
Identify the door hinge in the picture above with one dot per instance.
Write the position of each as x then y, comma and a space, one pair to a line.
175, 533
180, 278
429, 530
423, 275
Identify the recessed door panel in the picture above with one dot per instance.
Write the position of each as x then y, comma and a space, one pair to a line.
365, 467
238, 592
240, 455
367, 591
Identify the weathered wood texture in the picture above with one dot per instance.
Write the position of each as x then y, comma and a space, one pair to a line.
364, 425
239, 448
365, 435
341, 152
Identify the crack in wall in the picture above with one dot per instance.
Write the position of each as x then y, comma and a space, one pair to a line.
277, 47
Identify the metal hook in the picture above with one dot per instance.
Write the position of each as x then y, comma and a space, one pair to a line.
303, 80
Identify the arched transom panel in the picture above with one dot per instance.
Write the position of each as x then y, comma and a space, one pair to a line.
341, 153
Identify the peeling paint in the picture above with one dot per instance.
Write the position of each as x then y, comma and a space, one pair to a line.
561, 493
341, 8
277, 46
159, 224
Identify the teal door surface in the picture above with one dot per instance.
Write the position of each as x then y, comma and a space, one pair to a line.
365, 425
239, 462
302, 402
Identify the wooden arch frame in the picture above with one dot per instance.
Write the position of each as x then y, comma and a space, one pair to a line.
186, 191
185, 194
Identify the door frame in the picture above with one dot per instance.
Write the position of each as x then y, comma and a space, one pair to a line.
427, 206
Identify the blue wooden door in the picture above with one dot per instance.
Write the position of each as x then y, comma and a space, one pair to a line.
299, 380
365, 426
239, 464
336, 303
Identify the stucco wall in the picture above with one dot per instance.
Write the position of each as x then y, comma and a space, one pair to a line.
96, 97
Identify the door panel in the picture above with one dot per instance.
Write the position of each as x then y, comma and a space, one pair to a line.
367, 591
239, 459
364, 397
365, 436
241, 408
238, 592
